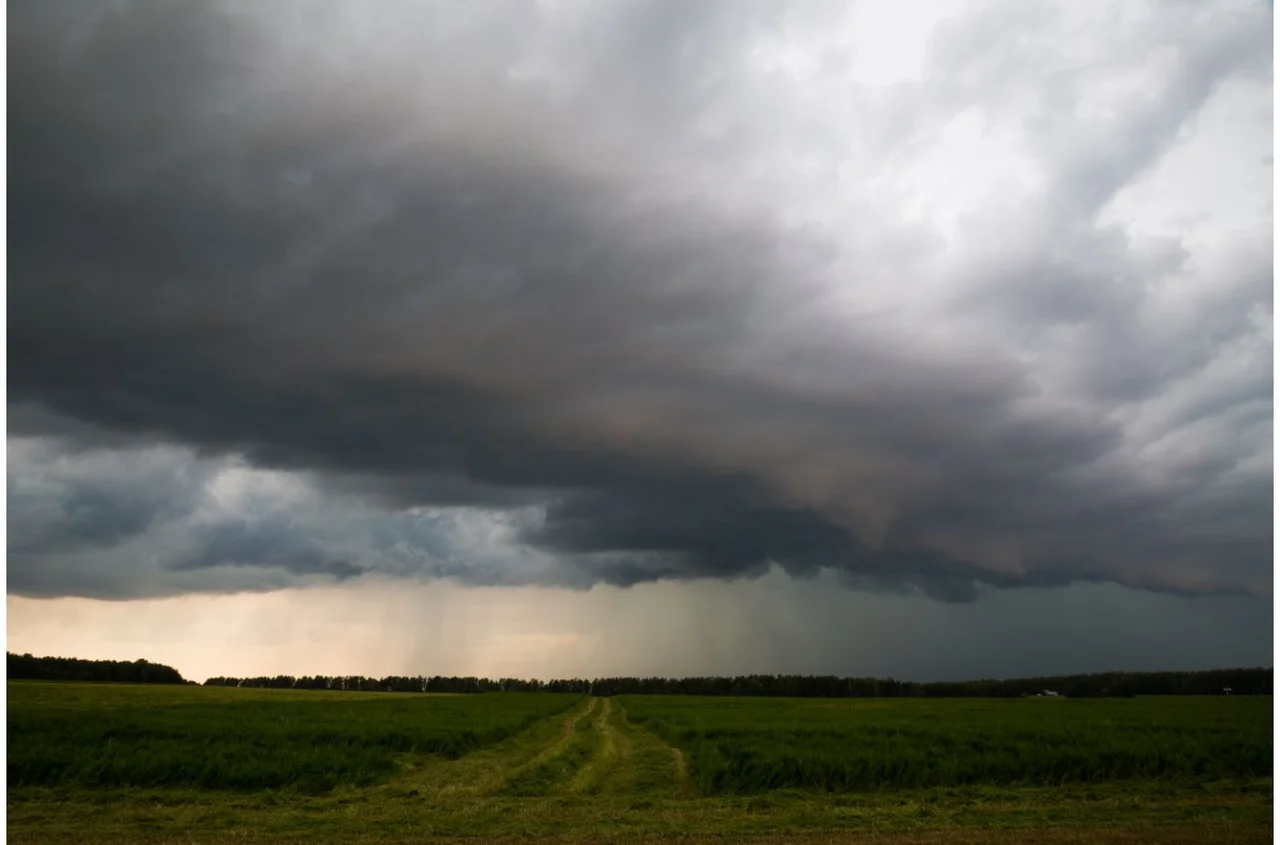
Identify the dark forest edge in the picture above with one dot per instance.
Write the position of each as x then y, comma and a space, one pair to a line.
1252, 681
24, 667
1256, 681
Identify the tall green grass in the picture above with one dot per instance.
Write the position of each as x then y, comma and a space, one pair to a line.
98, 735
747, 745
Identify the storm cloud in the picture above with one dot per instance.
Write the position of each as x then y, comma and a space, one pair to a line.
565, 294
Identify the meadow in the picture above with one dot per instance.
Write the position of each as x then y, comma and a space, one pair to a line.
179, 736
117, 763
750, 745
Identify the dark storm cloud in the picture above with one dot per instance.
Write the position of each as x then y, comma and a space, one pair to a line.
473, 267
56, 505
256, 546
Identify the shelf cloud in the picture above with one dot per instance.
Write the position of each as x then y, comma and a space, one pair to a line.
570, 294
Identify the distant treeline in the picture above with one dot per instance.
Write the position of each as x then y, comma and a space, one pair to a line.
24, 667
400, 683
1107, 684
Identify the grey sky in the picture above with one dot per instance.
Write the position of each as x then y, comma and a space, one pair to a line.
771, 624
962, 302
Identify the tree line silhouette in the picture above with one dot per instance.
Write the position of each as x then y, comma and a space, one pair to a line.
1251, 681
1255, 681
27, 668
399, 683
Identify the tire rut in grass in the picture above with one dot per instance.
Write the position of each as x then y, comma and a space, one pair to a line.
487, 771
610, 749
649, 766
554, 771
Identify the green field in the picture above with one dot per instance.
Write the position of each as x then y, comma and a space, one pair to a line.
111, 763
88, 736
749, 745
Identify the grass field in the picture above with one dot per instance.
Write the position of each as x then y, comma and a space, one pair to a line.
184, 737
755, 744
148, 764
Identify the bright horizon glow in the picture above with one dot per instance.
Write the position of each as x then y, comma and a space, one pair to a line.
379, 627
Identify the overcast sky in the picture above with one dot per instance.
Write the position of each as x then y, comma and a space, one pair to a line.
562, 337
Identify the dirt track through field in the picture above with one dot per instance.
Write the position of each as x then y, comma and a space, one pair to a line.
506, 768
654, 765
591, 750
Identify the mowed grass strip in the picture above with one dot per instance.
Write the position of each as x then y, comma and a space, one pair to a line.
650, 768
553, 770
486, 772
607, 754
752, 745
103, 736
